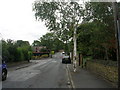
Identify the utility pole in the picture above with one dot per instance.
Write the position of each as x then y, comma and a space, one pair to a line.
117, 35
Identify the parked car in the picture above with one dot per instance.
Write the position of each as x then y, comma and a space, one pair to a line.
3, 69
66, 59
63, 52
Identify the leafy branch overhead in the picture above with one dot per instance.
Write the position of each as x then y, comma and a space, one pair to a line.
59, 16
94, 22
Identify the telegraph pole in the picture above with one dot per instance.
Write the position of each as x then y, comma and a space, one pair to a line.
117, 35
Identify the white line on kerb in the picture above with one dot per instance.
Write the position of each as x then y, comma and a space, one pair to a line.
70, 77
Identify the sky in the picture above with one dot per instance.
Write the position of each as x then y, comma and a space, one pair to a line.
17, 21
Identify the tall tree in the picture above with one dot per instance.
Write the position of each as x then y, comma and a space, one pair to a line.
101, 14
36, 43
51, 42
60, 17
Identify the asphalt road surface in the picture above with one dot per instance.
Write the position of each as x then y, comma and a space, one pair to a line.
47, 73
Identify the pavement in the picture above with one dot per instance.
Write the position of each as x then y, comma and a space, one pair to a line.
83, 78
23, 65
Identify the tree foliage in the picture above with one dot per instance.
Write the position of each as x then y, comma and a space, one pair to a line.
51, 42
96, 33
13, 51
60, 17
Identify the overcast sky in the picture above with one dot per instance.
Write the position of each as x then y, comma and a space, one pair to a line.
17, 21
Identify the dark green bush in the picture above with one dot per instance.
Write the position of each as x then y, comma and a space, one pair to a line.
16, 51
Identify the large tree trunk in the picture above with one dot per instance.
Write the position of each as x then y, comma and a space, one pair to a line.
75, 51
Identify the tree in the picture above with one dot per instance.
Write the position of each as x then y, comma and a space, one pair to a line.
21, 43
51, 42
60, 17
98, 21
20, 55
58, 45
23, 48
5, 52
36, 43
13, 51
47, 40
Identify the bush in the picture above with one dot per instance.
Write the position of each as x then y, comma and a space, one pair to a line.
20, 55
52, 52
29, 55
44, 56
16, 51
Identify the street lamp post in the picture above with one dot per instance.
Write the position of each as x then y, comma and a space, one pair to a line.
117, 35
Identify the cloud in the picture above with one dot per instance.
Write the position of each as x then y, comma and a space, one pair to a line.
17, 21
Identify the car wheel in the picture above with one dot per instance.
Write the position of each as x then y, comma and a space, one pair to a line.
4, 74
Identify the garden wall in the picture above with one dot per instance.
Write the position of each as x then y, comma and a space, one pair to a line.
109, 73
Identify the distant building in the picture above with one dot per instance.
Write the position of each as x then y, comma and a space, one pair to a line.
38, 48
61, 50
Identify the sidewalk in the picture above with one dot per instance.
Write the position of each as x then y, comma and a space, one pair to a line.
85, 79
24, 64
20, 65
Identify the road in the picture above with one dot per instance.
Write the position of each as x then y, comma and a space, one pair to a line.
51, 73
48, 73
